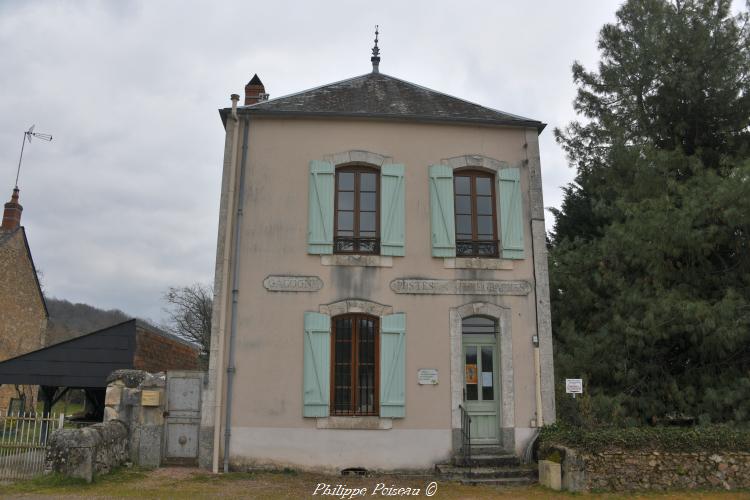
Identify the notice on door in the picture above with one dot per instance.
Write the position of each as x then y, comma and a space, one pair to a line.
471, 374
486, 379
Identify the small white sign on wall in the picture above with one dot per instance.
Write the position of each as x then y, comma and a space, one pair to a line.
574, 386
427, 376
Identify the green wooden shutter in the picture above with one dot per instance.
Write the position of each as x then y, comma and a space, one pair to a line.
511, 212
442, 218
317, 364
320, 208
392, 365
392, 213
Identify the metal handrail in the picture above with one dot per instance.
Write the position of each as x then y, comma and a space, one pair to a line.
477, 248
466, 437
349, 244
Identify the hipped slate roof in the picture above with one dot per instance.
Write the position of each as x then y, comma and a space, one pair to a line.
376, 95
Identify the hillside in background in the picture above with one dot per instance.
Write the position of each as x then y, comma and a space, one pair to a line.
68, 320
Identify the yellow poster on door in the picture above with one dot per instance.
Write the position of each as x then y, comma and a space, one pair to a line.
471, 374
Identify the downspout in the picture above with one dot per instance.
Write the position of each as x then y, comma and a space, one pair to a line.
224, 279
538, 383
235, 295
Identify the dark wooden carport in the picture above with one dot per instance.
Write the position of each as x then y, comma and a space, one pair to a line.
86, 361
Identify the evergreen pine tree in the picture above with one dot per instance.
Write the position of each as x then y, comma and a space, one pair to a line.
650, 257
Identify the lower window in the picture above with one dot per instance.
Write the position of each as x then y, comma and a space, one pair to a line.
354, 377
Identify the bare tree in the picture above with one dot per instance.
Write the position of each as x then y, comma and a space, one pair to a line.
189, 315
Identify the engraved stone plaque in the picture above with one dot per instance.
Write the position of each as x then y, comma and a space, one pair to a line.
460, 287
293, 283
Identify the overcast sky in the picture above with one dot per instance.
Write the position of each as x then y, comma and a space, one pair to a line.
124, 201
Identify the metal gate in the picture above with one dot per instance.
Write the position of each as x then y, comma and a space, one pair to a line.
23, 443
183, 417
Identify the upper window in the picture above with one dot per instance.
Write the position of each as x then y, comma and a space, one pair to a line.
357, 205
354, 385
476, 218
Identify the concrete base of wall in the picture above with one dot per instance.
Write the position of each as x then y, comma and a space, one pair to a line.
522, 437
333, 450
206, 447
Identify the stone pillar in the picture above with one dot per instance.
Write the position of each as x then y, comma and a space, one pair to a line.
147, 428
138, 399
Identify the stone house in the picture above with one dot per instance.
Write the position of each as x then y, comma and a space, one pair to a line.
381, 270
23, 312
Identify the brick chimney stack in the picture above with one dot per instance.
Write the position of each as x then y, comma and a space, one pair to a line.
12, 213
255, 91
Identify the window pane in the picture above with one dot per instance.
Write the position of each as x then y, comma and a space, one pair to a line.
461, 185
463, 224
346, 181
367, 221
342, 372
484, 186
346, 221
346, 200
484, 205
367, 201
470, 373
484, 224
366, 368
478, 324
463, 204
367, 182
488, 390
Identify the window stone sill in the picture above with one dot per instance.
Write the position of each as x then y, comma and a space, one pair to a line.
355, 423
477, 263
357, 260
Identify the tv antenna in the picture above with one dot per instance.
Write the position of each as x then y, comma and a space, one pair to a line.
28, 135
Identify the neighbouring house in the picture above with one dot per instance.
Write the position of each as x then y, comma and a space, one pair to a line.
86, 361
381, 270
23, 312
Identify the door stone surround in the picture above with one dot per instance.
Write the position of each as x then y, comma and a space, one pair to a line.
505, 357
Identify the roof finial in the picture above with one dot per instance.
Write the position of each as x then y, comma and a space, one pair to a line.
375, 54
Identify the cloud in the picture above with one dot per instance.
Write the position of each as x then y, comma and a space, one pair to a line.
124, 202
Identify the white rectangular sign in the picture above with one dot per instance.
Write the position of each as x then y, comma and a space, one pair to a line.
574, 386
427, 376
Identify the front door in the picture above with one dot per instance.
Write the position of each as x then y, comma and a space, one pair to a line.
481, 393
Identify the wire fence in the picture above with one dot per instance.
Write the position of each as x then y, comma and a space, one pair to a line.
23, 442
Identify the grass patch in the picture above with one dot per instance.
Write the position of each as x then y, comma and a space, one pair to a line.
55, 482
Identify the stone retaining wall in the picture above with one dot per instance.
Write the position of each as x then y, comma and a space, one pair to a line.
619, 470
88, 452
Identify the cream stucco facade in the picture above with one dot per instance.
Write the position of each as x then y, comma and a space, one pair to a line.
267, 426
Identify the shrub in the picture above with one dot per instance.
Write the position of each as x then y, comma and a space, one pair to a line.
704, 438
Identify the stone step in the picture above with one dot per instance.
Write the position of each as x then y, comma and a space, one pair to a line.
489, 460
500, 481
449, 471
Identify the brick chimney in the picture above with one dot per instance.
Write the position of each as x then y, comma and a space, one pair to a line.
255, 91
12, 213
